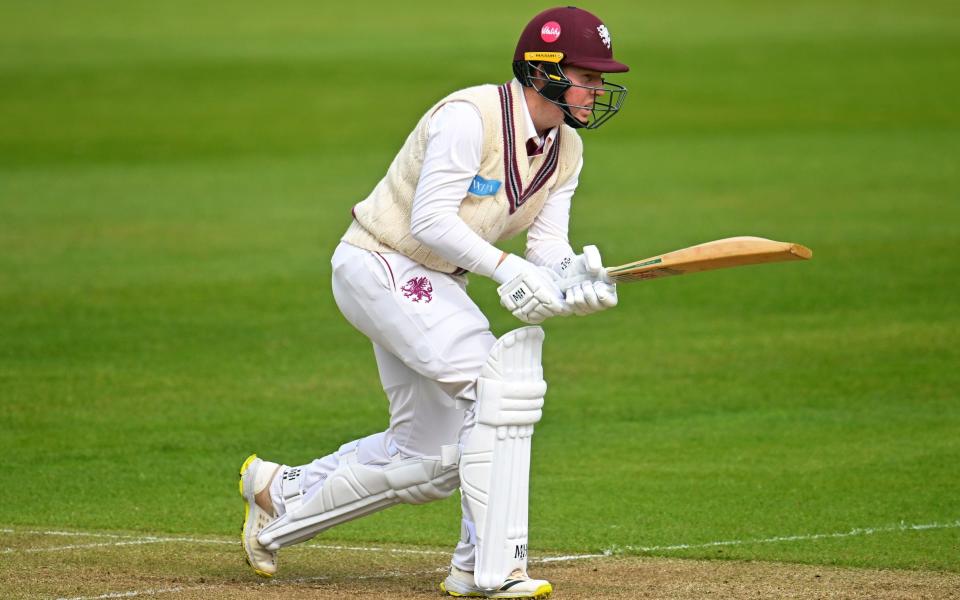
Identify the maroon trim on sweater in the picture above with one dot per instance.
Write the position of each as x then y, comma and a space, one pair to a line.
514, 188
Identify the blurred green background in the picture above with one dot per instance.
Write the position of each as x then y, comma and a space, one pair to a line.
174, 177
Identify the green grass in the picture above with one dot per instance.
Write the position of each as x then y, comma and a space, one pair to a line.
173, 180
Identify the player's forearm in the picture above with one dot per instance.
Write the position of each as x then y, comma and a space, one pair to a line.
547, 243
549, 253
547, 238
449, 237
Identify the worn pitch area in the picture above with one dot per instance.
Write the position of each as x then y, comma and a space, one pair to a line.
99, 566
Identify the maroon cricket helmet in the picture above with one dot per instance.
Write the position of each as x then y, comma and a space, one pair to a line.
582, 38
569, 36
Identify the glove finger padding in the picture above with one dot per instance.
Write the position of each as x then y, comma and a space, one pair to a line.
606, 294
576, 302
541, 313
590, 297
531, 318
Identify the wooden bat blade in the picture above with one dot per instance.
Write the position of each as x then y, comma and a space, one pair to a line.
719, 254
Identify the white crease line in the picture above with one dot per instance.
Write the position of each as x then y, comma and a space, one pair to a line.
134, 594
216, 541
790, 538
550, 559
71, 533
131, 541
137, 540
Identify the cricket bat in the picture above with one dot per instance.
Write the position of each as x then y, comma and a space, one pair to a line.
719, 254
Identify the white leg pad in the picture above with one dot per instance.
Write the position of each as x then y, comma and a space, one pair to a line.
354, 490
495, 460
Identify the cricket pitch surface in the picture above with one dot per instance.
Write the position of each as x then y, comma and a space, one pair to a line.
101, 565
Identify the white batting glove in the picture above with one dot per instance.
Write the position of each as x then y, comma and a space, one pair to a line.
586, 287
529, 292
591, 296
582, 267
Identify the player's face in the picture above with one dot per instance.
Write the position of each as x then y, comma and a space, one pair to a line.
583, 96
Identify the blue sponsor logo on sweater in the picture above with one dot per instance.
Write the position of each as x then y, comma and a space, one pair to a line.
483, 187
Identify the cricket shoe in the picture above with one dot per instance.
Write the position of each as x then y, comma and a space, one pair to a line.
518, 585
255, 476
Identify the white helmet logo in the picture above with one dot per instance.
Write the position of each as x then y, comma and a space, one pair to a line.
604, 35
550, 32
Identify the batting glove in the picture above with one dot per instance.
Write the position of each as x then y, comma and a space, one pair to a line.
585, 285
529, 292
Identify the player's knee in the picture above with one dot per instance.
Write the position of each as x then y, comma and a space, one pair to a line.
441, 485
452, 380
457, 369
422, 479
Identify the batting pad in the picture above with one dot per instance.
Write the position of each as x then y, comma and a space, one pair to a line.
495, 460
354, 490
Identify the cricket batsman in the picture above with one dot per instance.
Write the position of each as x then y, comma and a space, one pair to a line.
482, 165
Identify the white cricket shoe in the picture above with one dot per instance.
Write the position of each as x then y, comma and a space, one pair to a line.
518, 585
255, 476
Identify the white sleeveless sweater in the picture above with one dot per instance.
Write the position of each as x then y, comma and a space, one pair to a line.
504, 198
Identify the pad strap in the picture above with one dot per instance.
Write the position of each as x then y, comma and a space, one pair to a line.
290, 488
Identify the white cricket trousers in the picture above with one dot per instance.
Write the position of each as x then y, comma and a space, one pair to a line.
430, 341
